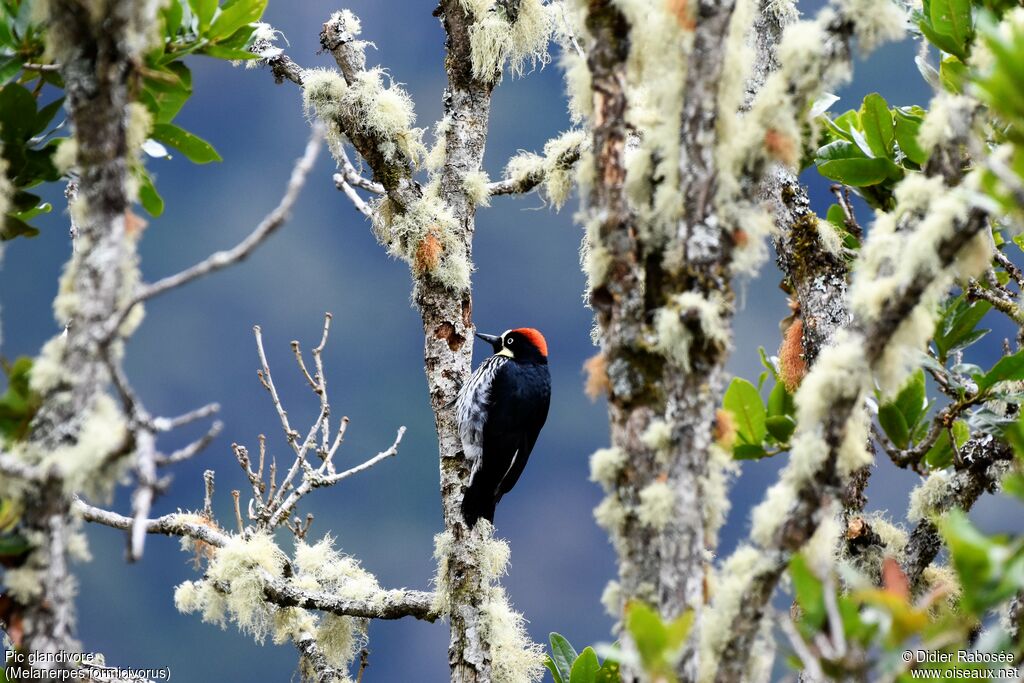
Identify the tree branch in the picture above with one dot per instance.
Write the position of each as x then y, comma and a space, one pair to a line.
274, 220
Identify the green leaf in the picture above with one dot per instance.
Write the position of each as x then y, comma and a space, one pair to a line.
876, 120
150, 199
911, 399
956, 324
203, 10
742, 400
12, 227
748, 451
12, 545
648, 631
1007, 368
173, 15
196, 149
9, 66
678, 630
894, 425
585, 668
940, 40
940, 455
235, 16
780, 401
781, 427
991, 569
953, 74
17, 113
810, 594
46, 114
227, 53
608, 673
953, 18
906, 131
562, 655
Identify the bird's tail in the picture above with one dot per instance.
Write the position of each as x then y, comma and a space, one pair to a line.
477, 503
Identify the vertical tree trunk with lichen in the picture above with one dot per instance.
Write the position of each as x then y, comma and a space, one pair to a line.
448, 340
98, 46
663, 312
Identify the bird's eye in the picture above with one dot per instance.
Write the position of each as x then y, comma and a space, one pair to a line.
508, 342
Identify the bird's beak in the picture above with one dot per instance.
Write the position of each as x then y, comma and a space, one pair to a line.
491, 339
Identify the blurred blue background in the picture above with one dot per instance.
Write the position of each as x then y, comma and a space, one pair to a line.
196, 346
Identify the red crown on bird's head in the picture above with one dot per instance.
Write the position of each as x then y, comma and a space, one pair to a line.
535, 338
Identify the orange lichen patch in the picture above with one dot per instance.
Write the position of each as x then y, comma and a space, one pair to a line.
792, 366
134, 224
725, 428
596, 369
740, 237
781, 146
202, 549
535, 338
680, 9
428, 253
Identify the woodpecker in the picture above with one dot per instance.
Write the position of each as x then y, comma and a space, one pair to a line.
500, 411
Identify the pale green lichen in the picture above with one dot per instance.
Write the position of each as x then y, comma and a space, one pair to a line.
611, 599
322, 93
610, 514
66, 156
721, 469
558, 177
658, 437
48, 367
88, 465
675, 338
657, 503
475, 184
423, 235
495, 40
605, 466
822, 547
927, 498
875, 22
514, 657
840, 373
729, 588
438, 152
23, 583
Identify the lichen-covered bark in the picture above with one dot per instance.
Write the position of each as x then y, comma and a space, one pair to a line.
660, 563
96, 44
985, 461
448, 348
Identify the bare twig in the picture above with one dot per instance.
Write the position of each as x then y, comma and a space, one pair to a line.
177, 524
274, 220
166, 424
312, 480
43, 68
192, 449
357, 201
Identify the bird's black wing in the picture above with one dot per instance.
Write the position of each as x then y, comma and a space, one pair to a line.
520, 401
516, 409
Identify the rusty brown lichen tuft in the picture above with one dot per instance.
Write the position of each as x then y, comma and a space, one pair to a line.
781, 146
683, 13
725, 428
792, 364
428, 253
597, 382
